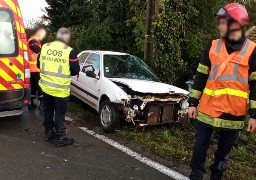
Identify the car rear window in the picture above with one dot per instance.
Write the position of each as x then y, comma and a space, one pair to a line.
8, 36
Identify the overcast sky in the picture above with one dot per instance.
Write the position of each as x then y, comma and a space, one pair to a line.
32, 9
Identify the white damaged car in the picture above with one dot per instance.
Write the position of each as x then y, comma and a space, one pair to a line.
122, 87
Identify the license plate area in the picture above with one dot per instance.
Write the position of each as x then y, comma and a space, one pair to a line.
161, 113
11, 96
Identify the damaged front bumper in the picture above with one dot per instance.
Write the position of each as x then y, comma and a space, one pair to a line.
155, 109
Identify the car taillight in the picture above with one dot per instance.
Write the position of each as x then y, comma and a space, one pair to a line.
26, 101
27, 73
26, 56
27, 70
27, 78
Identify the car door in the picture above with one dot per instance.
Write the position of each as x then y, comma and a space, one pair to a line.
77, 87
89, 78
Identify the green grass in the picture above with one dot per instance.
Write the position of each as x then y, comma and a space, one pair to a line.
175, 143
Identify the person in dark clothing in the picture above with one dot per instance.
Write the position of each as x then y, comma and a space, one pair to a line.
34, 49
58, 62
225, 79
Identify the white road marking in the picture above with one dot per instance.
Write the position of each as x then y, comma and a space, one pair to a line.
163, 169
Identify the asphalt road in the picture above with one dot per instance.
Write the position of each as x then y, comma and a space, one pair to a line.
24, 154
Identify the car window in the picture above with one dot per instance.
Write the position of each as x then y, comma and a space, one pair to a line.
83, 57
128, 67
8, 37
92, 65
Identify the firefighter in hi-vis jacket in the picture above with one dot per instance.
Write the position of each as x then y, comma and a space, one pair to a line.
34, 49
225, 80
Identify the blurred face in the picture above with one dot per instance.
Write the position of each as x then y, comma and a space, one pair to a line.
41, 34
223, 27
235, 31
67, 39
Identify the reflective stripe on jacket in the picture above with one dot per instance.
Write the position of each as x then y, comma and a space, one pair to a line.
227, 87
55, 69
32, 59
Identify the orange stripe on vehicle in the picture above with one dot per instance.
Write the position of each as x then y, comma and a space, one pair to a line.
15, 70
17, 86
22, 46
7, 73
18, 11
2, 87
20, 59
20, 27
6, 85
25, 47
7, 78
18, 64
12, 6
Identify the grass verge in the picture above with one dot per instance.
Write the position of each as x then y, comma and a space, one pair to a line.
176, 142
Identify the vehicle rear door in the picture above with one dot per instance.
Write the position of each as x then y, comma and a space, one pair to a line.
13, 50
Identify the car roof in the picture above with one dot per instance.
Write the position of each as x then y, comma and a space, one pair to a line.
105, 52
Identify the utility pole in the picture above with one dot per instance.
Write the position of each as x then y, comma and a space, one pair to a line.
148, 48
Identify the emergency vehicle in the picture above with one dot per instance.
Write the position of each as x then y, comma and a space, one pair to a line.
14, 63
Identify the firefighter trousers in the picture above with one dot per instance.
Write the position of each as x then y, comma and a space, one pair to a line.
35, 88
54, 115
203, 137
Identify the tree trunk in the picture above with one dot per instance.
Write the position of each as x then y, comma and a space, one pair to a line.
158, 6
148, 45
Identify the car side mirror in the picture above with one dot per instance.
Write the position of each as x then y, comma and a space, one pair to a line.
91, 74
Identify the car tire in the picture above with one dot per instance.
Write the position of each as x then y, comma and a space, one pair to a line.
109, 117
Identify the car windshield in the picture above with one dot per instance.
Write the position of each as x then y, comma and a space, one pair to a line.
8, 45
128, 67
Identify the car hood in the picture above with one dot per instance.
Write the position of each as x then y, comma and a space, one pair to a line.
151, 87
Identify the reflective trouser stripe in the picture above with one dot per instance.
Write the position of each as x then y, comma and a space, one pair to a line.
55, 74
54, 85
195, 94
227, 91
252, 104
203, 69
221, 123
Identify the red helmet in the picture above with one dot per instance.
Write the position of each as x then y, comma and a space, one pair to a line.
234, 11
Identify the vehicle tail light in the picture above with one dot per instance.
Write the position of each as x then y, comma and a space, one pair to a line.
26, 56
27, 70
26, 101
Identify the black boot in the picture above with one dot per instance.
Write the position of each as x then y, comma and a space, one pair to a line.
216, 175
64, 141
50, 135
196, 175
31, 104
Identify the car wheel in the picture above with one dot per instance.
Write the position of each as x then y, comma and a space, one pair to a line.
109, 116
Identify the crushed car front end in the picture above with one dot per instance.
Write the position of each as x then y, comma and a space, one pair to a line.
152, 108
